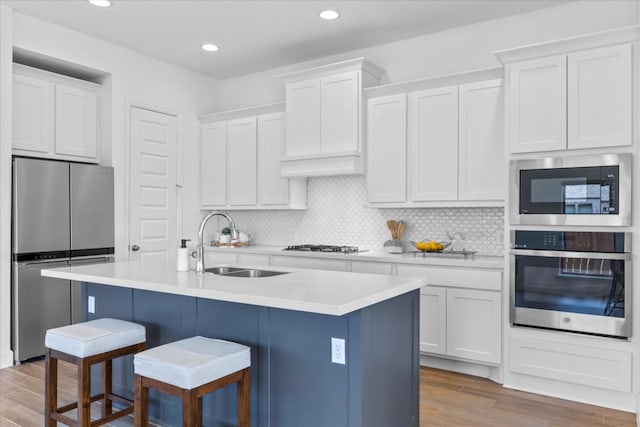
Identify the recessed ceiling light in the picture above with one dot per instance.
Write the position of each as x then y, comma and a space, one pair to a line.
100, 3
210, 47
329, 15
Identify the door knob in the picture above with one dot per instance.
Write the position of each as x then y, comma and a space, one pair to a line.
135, 248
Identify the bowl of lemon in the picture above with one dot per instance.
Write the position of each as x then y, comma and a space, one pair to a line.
430, 245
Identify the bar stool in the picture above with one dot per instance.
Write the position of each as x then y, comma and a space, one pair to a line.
189, 369
86, 344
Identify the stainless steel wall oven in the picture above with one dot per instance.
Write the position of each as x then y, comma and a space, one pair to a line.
579, 190
572, 280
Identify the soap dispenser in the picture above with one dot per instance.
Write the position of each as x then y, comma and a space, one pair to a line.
183, 256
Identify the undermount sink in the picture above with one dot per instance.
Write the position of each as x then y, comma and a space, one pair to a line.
243, 272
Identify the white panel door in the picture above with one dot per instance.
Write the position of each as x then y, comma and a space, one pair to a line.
242, 162
76, 122
433, 144
474, 327
303, 118
213, 164
538, 105
272, 188
153, 179
339, 112
600, 97
481, 141
433, 320
387, 149
32, 114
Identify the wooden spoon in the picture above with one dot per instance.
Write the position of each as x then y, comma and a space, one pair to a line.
392, 225
401, 226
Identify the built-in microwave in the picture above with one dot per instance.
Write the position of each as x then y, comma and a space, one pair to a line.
573, 190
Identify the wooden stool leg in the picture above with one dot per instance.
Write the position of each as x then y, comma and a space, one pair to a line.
244, 391
141, 403
190, 409
84, 393
107, 385
51, 388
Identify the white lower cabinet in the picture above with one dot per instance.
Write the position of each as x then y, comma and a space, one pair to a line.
474, 325
433, 320
460, 313
571, 359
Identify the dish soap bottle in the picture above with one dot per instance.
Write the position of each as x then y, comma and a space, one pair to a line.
183, 256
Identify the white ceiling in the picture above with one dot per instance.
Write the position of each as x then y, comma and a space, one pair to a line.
262, 34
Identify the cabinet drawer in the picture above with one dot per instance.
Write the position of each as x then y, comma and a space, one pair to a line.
320, 264
574, 363
370, 267
456, 277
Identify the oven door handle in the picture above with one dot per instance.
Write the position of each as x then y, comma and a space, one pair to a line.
562, 254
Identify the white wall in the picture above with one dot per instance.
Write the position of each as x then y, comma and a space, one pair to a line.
132, 77
453, 51
6, 356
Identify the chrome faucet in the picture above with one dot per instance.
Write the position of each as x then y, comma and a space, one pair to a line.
200, 242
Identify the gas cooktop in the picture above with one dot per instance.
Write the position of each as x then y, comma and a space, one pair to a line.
324, 248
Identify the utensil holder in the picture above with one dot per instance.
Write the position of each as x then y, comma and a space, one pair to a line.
392, 246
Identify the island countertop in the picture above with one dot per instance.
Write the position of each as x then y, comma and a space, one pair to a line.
315, 291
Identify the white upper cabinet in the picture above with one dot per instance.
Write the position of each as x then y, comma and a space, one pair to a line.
340, 113
31, 114
481, 151
433, 144
213, 164
272, 188
54, 116
76, 122
441, 146
324, 118
599, 97
303, 112
574, 93
537, 98
242, 148
387, 148
240, 161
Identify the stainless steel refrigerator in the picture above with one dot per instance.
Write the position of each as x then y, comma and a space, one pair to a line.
62, 214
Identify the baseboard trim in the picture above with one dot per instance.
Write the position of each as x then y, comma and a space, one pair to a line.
6, 359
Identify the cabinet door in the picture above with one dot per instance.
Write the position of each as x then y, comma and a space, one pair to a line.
339, 112
76, 125
538, 105
213, 164
272, 188
474, 325
433, 143
303, 118
433, 320
242, 161
481, 141
599, 97
387, 149
32, 114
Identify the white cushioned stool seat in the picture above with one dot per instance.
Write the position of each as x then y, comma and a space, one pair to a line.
94, 337
192, 362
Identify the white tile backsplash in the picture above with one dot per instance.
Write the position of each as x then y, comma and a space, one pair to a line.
337, 215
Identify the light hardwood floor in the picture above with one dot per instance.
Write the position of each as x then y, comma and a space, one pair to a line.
446, 400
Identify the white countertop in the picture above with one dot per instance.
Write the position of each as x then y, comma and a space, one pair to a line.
316, 291
436, 259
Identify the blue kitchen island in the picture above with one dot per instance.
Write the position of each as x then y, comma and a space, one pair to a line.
289, 321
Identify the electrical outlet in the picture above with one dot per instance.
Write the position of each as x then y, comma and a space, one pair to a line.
91, 304
338, 351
